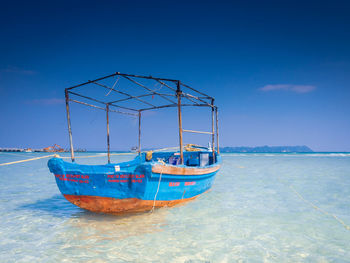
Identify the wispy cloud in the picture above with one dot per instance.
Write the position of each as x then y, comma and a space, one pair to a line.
11, 69
50, 101
288, 87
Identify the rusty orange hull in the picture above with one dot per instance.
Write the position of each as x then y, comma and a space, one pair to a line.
119, 206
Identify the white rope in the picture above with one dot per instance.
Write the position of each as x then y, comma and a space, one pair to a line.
155, 197
320, 209
82, 156
113, 86
155, 85
27, 160
315, 206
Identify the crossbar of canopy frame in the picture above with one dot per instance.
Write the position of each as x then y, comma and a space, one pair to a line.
201, 100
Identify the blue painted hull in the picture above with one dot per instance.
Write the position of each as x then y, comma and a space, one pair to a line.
134, 180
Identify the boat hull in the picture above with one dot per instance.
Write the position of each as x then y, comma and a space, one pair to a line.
111, 205
134, 186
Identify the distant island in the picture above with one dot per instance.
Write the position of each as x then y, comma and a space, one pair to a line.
267, 149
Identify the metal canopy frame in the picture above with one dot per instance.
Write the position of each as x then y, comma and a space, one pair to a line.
181, 91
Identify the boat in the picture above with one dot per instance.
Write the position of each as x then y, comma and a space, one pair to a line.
153, 179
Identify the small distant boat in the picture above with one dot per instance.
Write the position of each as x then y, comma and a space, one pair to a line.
152, 179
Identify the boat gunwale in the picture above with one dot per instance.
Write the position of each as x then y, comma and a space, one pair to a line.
170, 169
156, 168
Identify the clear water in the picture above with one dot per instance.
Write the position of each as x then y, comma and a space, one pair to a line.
250, 215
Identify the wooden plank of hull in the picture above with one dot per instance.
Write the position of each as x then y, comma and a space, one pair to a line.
111, 205
167, 169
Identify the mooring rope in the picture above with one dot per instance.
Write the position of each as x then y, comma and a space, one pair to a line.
87, 156
98, 155
319, 209
27, 160
63, 157
155, 197
315, 206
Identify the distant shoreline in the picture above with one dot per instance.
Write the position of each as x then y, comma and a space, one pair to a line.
105, 152
227, 149
267, 149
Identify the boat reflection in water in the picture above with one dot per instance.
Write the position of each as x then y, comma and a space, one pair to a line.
99, 227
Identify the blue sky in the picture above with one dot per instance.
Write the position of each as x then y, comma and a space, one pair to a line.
279, 70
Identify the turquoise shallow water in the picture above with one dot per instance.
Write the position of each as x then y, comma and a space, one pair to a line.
251, 214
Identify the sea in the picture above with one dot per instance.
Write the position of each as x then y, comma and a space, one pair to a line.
262, 208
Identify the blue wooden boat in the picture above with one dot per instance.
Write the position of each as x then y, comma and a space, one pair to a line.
152, 179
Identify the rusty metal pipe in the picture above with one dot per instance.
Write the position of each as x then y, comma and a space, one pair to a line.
178, 93
212, 129
217, 130
139, 132
108, 145
69, 126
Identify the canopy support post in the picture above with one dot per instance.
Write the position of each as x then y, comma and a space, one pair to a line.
69, 126
108, 145
139, 132
217, 130
178, 94
212, 129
